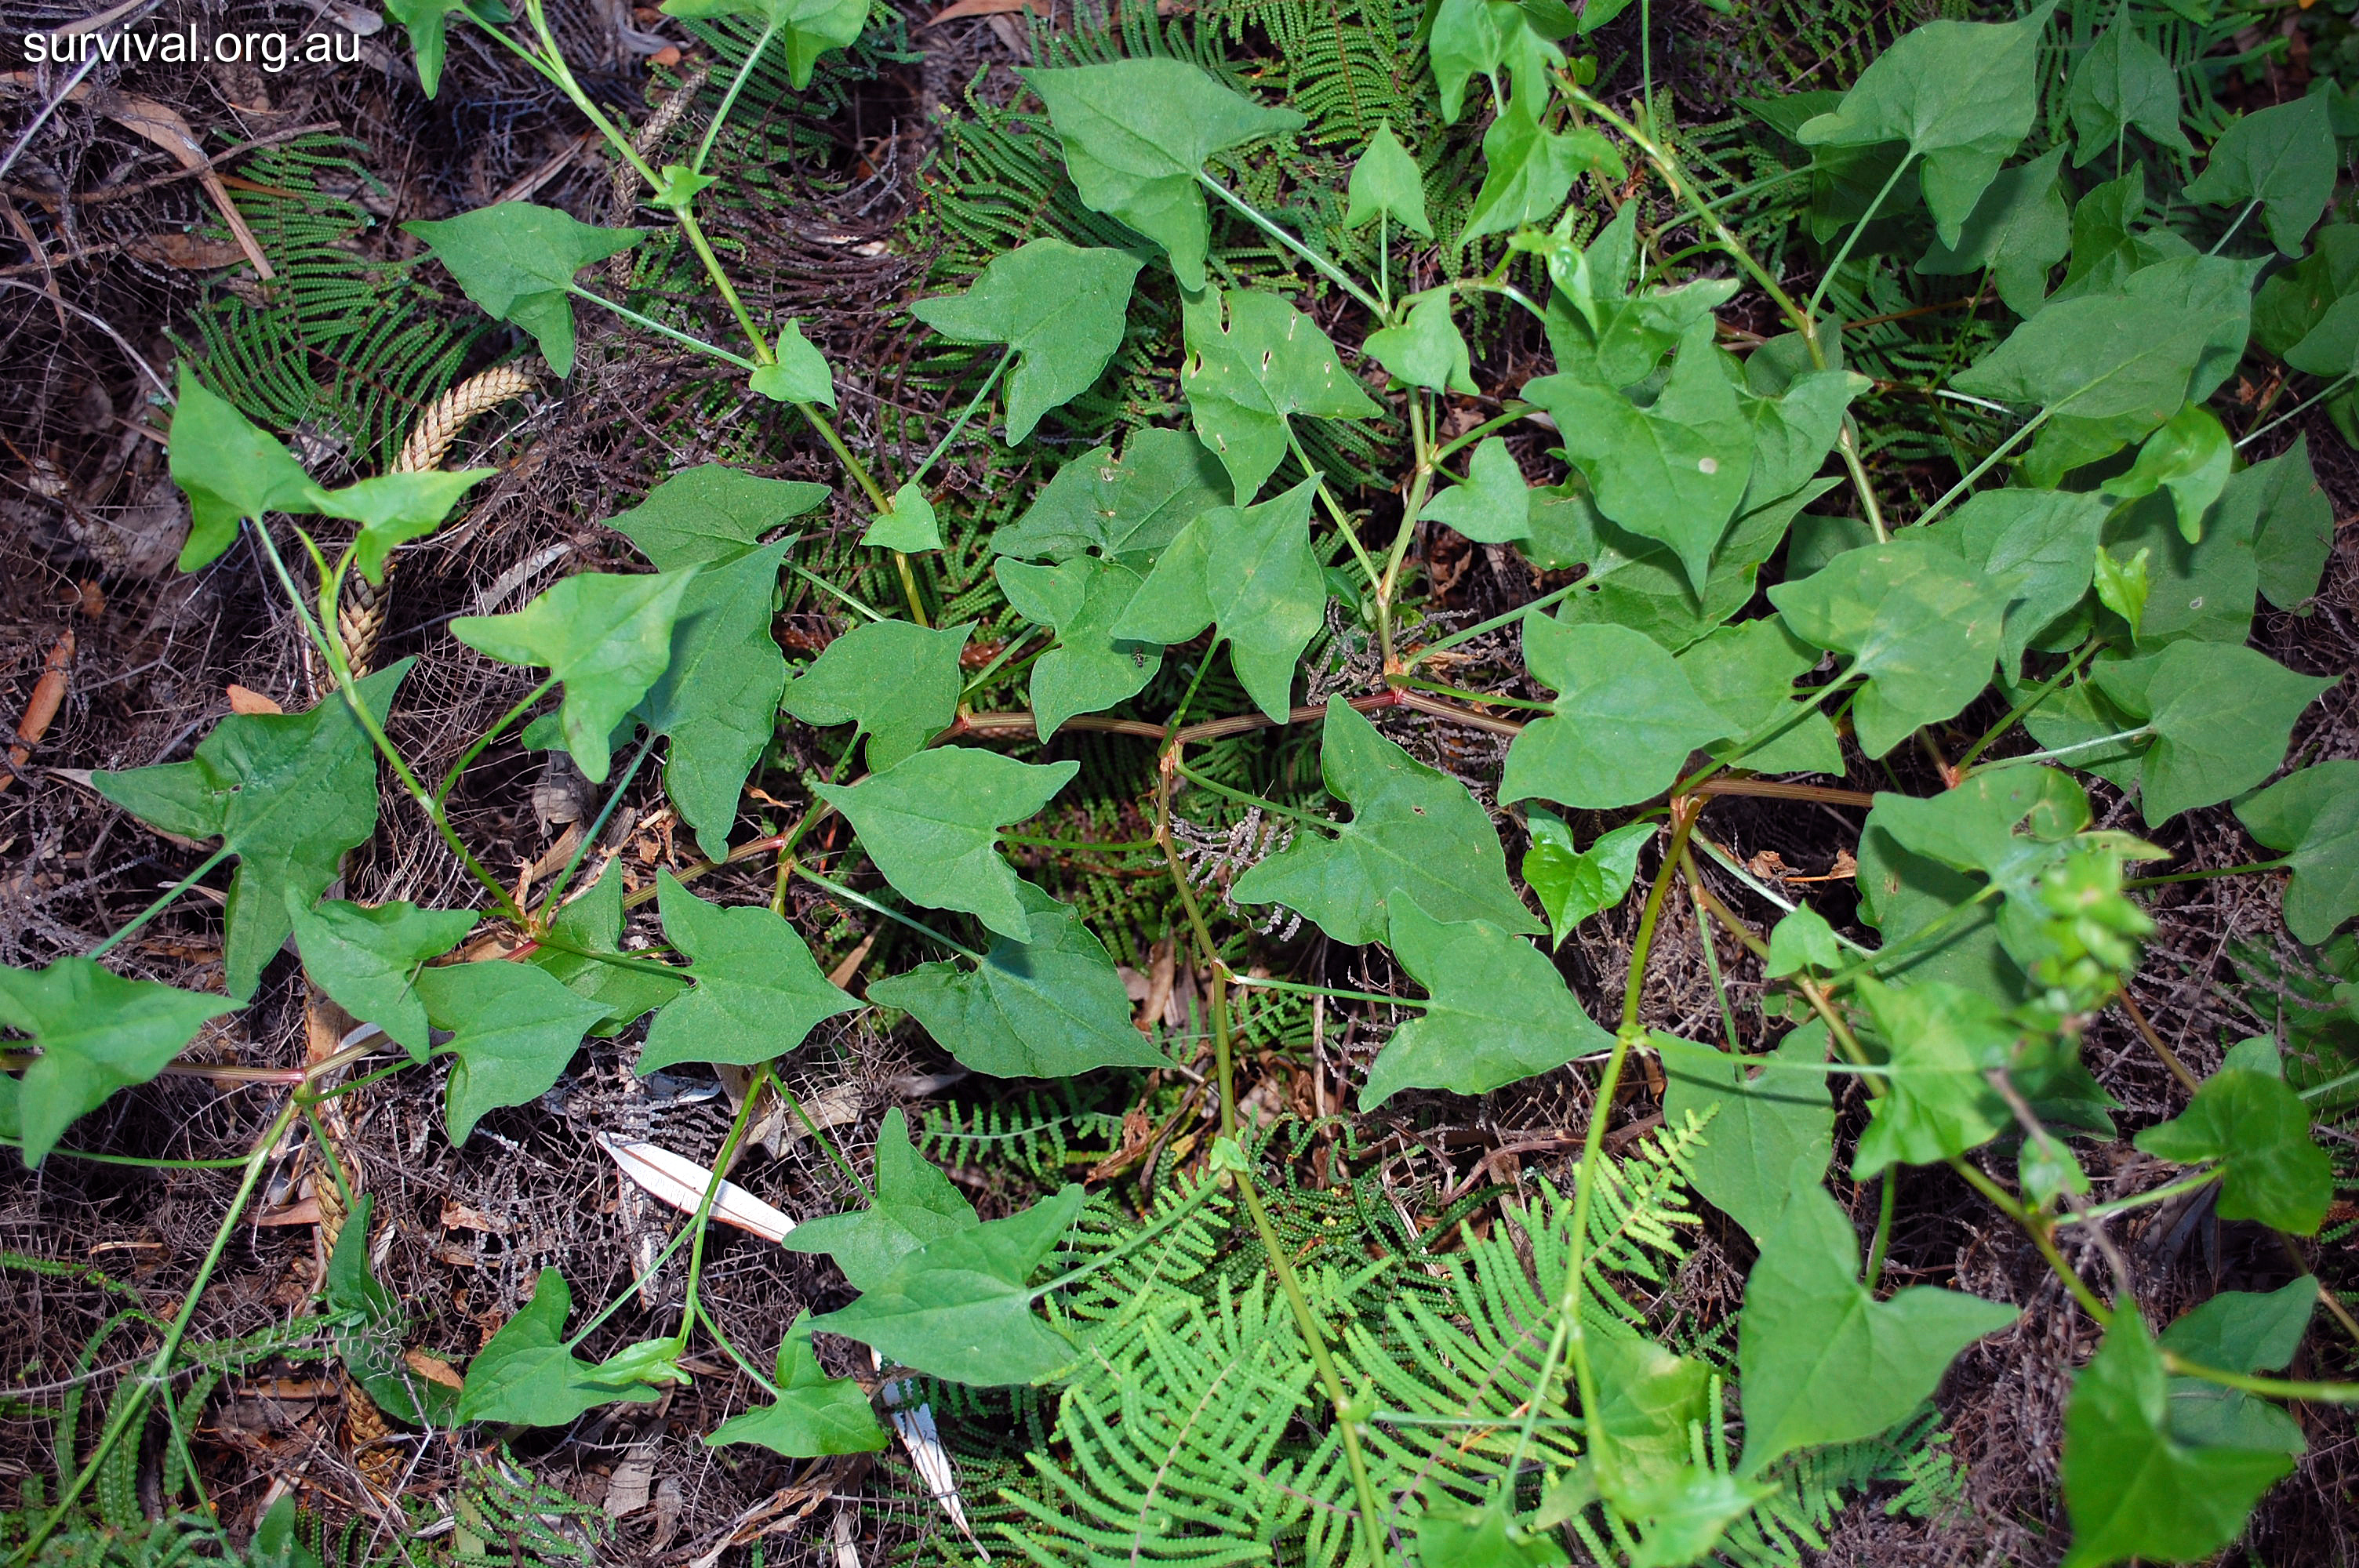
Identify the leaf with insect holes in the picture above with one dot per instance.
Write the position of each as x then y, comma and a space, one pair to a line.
898, 681
367, 959
2281, 158
1123, 509
529, 1376
516, 261
813, 1415
1415, 833
1426, 348
287, 793
931, 822
1058, 307
2220, 715
1674, 470
1090, 669
1494, 505
800, 373
2131, 1489
1385, 182
914, 1203
1922, 629
1961, 94
2258, 1128
98, 1032
1252, 572
1254, 362
1625, 717
593, 924
1573, 885
605, 637
959, 1307
810, 28
711, 515
1052, 1007
1771, 1133
1745, 674
1136, 133
717, 699
1819, 1359
396, 508
2121, 83
1499, 1011
229, 470
758, 994
2312, 816
514, 1028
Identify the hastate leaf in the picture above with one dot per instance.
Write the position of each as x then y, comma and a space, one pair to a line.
1745, 674
1255, 362
1499, 1011
2123, 83
2221, 716
97, 1033
229, 470
1136, 133
2271, 1169
1940, 1040
1426, 348
1571, 883
2039, 546
717, 699
1494, 505
758, 994
914, 1203
287, 793
2284, 158
1090, 669
607, 638
711, 513
367, 959
517, 260
1127, 508
2312, 818
814, 1416
2019, 230
1052, 1007
898, 680
1625, 717
810, 28
395, 508
1819, 1359
593, 924
527, 1374
1771, 1133
930, 823
1385, 182
1060, 307
1415, 834
514, 1028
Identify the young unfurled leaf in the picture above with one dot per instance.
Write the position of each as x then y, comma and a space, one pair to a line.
2312, 818
814, 1414
958, 1307
1573, 885
1136, 133
370, 1346
930, 823
1674, 470
1745, 674
1051, 1007
1058, 307
1250, 570
2131, 1489
1940, 1040
396, 508
1385, 180
1126, 509
1819, 1359
2189, 458
1494, 505
1923, 629
593, 924
2221, 717
98, 1032
2243, 1332
528, 1375
2123, 83
514, 1028
1961, 94
606, 637
1426, 348
1530, 168
366, 958
1415, 833
288, 793
717, 699
711, 515
908, 524
2282, 158
2019, 230
811, 27
800, 373
1610, 681
757, 991
1499, 1013
2272, 1170
1802, 940
1255, 362
516, 261
1631, 331
1771, 1134
2205, 590
229, 471
914, 1203
2122, 587
898, 681
425, 21
2039, 546
1090, 669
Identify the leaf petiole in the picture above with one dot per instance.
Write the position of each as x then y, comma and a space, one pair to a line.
163, 900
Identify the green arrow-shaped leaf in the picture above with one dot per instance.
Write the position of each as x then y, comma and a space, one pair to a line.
2123, 83
898, 681
810, 28
1573, 885
2312, 818
2221, 717
1625, 717
814, 1415
516, 261
515, 1027
1058, 307
528, 1375
2272, 1170
1255, 362
593, 924
367, 959
711, 513
1940, 1040
1128, 509
930, 823
1494, 505
914, 1203
1385, 182
717, 699
1090, 669
97, 1033
2282, 158
229, 470
759, 992
1770, 1135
